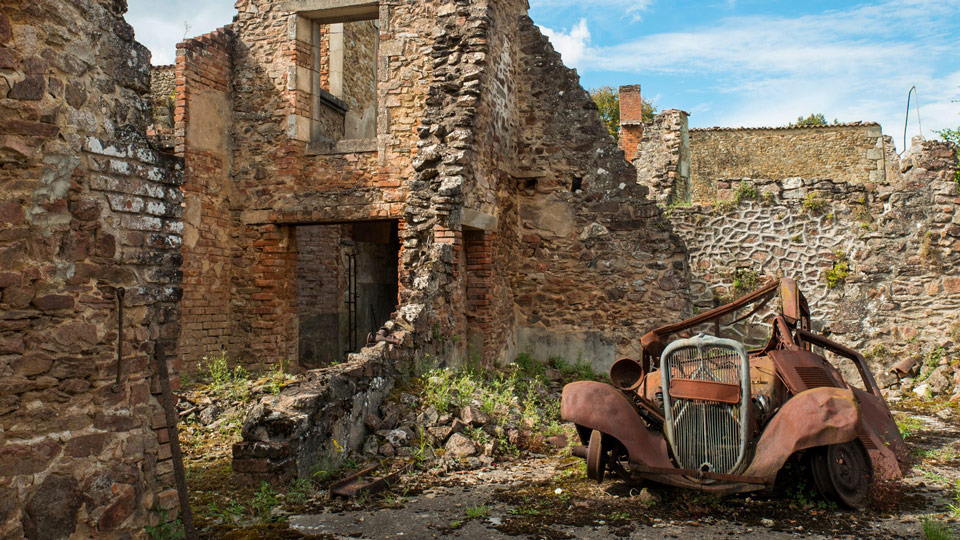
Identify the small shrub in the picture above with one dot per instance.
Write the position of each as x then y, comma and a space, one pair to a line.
745, 191
745, 280
837, 274
165, 529
300, 490
264, 501
813, 204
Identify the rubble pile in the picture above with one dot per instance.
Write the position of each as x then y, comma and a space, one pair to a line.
469, 420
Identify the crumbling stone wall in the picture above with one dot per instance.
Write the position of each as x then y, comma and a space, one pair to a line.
203, 139
854, 153
598, 264
163, 93
663, 157
86, 207
890, 249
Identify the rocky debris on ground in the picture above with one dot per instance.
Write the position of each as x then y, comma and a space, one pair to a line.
473, 435
914, 379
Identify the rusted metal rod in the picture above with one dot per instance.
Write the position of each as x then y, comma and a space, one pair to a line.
121, 292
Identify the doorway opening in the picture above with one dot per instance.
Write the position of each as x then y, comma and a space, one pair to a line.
347, 287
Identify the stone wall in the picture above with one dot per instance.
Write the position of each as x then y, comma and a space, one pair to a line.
163, 96
598, 265
203, 138
879, 263
663, 157
854, 153
86, 207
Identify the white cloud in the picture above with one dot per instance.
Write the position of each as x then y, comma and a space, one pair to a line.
571, 45
160, 25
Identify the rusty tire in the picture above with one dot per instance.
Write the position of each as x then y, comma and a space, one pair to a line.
596, 458
843, 473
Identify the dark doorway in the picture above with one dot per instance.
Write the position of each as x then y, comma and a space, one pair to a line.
346, 287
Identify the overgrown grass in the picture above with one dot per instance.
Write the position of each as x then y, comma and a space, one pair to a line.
224, 381
478, 512
936, 530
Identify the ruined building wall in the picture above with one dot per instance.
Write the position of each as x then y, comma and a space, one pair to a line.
877, 261
360, 40
854, 153
204, 114
663, 157
86, 207
491, 240
288, 433
163, 93
598, 263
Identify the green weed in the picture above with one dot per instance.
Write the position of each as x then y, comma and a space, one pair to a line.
935, 530
165, 529
813, 204
477, 512
908, 425
837, 274
264, 501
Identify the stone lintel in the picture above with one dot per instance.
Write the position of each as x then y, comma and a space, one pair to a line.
473, 219
334, 11
346, 146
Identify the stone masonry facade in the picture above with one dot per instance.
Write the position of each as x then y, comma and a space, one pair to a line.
872, 240
854, 153
87, 209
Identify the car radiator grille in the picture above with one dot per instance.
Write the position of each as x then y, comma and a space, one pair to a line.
707, 436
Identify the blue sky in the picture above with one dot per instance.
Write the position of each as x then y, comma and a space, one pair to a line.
727, 62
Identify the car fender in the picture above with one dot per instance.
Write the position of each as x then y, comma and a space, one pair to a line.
815, 417
602, 407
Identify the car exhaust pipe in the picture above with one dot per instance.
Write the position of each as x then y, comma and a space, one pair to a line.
626, 374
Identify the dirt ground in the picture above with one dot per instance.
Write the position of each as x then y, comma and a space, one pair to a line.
549, 497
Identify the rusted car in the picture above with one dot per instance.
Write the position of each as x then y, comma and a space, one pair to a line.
705, 413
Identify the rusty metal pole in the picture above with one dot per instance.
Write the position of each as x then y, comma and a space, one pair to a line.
170, 410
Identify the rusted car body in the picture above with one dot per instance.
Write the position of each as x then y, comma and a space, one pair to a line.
705, 413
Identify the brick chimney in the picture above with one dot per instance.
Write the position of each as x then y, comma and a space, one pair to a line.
631, 120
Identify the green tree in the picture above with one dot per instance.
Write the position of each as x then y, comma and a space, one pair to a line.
813, 120
953, 136
608, 103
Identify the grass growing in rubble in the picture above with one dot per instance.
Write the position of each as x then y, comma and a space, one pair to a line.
522, 386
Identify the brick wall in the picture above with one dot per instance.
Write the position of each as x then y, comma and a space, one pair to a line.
855, 153
204, 114
631, 120
86, 207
